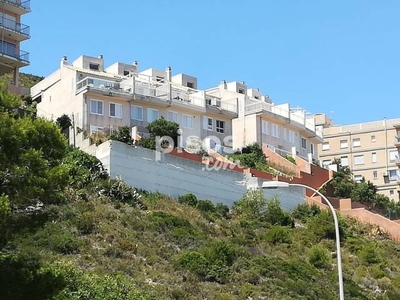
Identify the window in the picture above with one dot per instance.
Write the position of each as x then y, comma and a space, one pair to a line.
326, 163
115, 110
291, 136
343, 144
94, 67
325, 146
96, 107
172, 116
356, 143
358, 178
220, 126
275, 130
375, 174
373, 139
373, 157
393, 156
152, 115
312, 149
137, 113
303, 143
344, 160
187, 121
126, 72
264, 127
359, 159
190, 85
159, 79
393, 174
9, 48
391, 192
95, 129
241, 91
207, 123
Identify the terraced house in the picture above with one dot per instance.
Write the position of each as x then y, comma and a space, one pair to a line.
12, 33
225, 118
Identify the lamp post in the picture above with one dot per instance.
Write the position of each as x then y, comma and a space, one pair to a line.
280, 184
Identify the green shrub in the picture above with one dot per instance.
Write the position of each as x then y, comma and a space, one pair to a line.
290, 158
164, 221
319, 257
123, 135
22, 278
221, 252
369, 254
323, 226
56, 238
86, 222
251, 206
194, 262
275, 215
277, 235
205, 206
147, 142
188, 199
222, 210
83, 167
305, 211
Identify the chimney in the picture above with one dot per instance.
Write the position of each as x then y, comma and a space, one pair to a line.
135, 63
223, 83
101, 56
168, 71
64, 61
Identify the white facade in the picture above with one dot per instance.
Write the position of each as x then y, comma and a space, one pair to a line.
228, 117
283, 129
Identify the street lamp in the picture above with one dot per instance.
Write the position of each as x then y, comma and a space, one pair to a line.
280, 184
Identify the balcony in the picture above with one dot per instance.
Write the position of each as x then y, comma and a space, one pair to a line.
296, 118
160, 92
14, 30
225, 105
12, 58
397, 161
18, 7
397, 142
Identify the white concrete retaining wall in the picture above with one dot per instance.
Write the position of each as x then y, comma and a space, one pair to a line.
176, 176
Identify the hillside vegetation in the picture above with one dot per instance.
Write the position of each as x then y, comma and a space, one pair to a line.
25, 79
68, 231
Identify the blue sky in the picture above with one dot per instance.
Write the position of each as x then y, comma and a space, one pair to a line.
341, 58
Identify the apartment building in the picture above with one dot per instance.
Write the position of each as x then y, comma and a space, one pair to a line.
226, 118
104, 99
283, 129
369, 149
13, 32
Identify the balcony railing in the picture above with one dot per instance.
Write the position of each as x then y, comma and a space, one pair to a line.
15, 26
228, 105
20, 55
159, 90
97, 83
258, 106
24, 4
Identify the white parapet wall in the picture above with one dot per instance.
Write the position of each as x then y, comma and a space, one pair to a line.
175, 176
